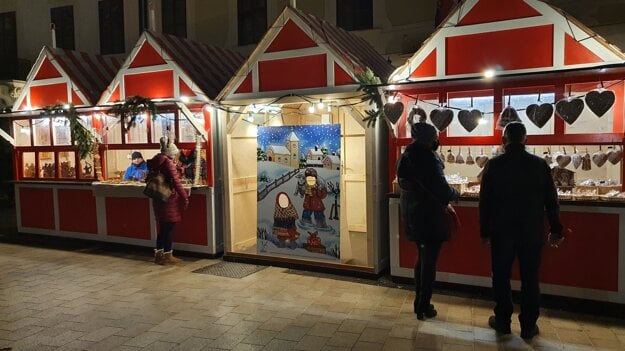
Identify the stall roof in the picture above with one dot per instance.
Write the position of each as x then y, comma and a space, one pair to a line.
524, 36
163, 66
66, 76
301, 53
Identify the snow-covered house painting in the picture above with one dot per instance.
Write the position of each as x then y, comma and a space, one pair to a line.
332, 162
314, 154
298, 199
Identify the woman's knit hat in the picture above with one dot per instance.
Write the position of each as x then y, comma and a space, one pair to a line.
169, 148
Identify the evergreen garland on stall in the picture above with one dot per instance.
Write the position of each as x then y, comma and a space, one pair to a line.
131, 108
368, 85
82, 137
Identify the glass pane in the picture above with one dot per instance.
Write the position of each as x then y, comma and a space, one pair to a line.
138, 133
47, 166
112, 131
187, 131
28, 165
521, 103
601, 120
61, 131
41, 128
67, 159
87, 169
162, 125
21, 132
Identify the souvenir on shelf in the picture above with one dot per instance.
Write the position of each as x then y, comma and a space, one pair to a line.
459, 157
586, 163
615, 156
576, 158
599, 158
470, 160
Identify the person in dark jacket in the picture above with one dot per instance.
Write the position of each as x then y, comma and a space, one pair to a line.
516, 190
424, 194
167, 213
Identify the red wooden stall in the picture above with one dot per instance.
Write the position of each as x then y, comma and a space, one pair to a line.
488, 57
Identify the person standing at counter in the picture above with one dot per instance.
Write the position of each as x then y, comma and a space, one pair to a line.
137, 168
167, 213
424, 192
516, 190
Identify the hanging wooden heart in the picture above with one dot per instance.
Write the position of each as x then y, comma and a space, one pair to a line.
569, 110
393, 111
600, 102
441, 118
469, 119
599, 158
539, 114
417, 111
615, 156
508, 115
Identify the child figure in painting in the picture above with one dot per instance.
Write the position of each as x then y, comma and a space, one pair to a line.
313, 191
284, 217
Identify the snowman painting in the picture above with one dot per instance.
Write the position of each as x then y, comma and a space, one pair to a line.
313, 190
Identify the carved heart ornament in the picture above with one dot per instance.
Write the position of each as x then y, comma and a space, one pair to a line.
600, 102
563, 160
441, 118
577, 160
615, 156
469, 119
393, 111
599, 158
508, 115
539, 114
417, 111
481, 159
569, 110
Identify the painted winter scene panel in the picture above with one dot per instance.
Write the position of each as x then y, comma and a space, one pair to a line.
298, 191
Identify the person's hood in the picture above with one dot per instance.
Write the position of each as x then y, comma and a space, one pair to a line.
156, 161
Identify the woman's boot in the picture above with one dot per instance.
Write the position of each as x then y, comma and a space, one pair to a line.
169, 259
158, 256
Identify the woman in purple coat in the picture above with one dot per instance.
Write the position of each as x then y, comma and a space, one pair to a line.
167, 213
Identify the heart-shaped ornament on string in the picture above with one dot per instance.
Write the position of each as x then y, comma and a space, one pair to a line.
508, 115
418, 112
599, 158
615, 156
539, 114
600, 102
576, 159
441, 118
570, 110
563, 159
393, 111
481, 159
469, 119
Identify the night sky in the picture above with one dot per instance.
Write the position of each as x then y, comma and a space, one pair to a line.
328, 135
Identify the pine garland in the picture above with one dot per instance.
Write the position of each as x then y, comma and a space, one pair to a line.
132, 107
82, 137
368, 84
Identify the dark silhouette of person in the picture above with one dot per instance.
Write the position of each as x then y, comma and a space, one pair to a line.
516, 190
424, 192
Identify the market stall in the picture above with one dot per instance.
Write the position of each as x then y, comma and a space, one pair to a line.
301, 164
162, 89
489, 65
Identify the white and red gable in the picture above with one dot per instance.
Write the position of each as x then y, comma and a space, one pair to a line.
166, 67
303, 54
61, 76
515, 36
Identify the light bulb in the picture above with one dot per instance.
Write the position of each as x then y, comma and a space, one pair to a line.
320, 105
489, 73
25, 130
311, 108
185, 99
482, 121
329, 108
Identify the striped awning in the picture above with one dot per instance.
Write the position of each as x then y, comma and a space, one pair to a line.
89, 73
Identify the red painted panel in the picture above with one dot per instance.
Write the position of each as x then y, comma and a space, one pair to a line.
505, 50
209, 146
427, 68
115, 95
44, 95
184, 89
24, 104
128, 217
193, 228
291, 37
576, 53
154, 85
341, 77
77, 211
37, 208
619, 111
486, 11
147, 56
293, 73
246, 85
570, 265
47, 70
76, 100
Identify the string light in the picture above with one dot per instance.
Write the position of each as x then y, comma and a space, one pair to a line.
320, 104
311, 108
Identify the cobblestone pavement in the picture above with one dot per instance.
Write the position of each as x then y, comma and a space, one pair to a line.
83, 299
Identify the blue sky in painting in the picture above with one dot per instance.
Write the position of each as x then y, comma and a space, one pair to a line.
328, 135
